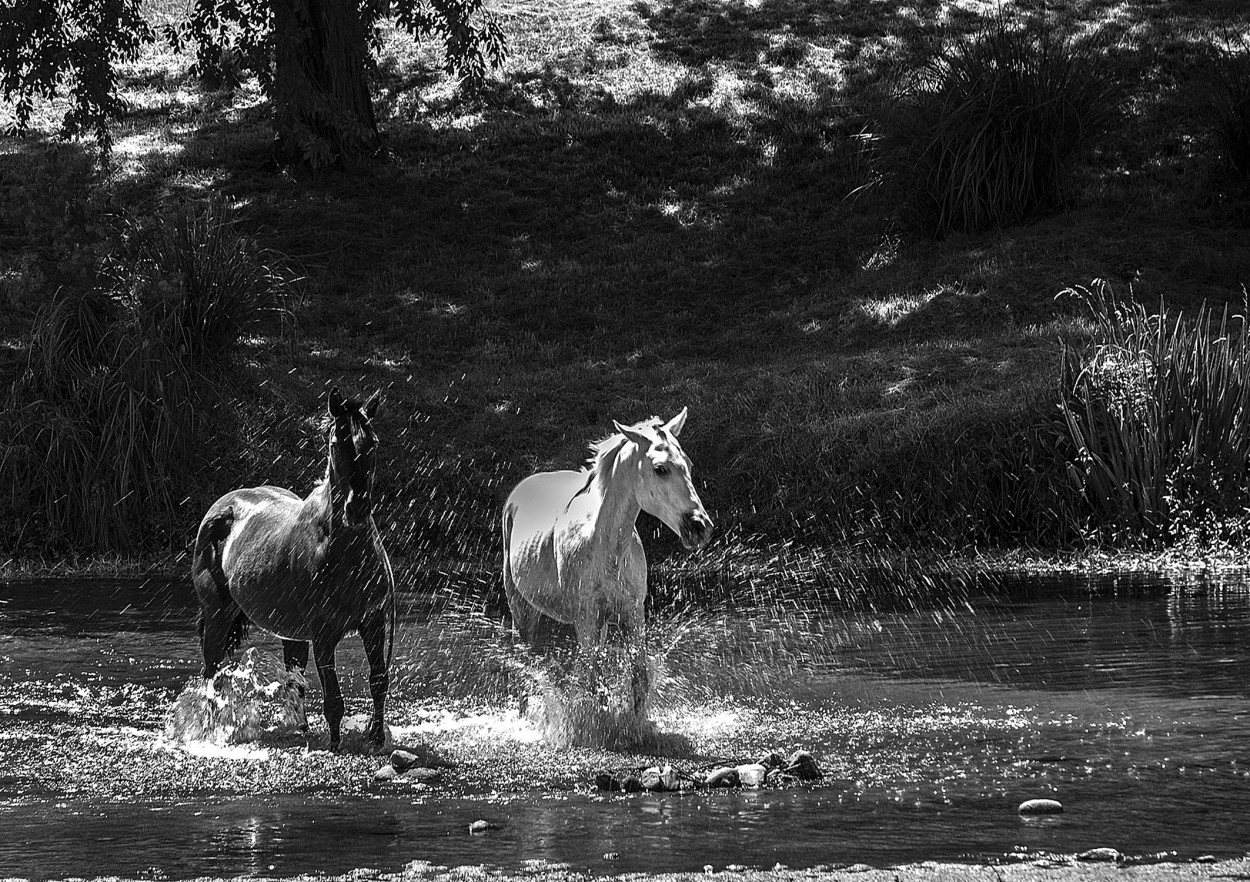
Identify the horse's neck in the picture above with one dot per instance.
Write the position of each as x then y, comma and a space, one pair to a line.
318, 507
617, 499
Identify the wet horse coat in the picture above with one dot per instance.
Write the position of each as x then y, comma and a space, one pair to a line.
571, 548
308, 570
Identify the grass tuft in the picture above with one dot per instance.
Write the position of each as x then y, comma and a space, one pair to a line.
1158, 411
104, 419
984, 131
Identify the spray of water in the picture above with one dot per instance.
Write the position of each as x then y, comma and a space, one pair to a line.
244, 701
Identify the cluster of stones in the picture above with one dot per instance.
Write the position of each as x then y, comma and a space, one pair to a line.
405, 767
770, 770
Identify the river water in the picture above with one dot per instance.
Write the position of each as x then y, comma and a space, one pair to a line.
1125, 698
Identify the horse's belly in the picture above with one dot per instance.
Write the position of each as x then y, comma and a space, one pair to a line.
535, 579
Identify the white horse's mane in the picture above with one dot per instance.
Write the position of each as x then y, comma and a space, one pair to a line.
603, 453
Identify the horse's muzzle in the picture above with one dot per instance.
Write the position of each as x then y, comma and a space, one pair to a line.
696, 529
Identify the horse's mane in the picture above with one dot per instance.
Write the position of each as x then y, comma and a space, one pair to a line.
603, 454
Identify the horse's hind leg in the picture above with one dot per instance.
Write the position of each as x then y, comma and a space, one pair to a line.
295, 656
373, 633
222, 626
525, 618
332, 695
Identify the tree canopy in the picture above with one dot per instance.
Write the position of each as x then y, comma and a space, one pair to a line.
310, 56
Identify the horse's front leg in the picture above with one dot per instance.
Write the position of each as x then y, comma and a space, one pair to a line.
295, 656
323, 652
633, 633
373, 633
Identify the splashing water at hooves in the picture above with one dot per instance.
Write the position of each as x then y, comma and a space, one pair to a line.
244, 701
600, 700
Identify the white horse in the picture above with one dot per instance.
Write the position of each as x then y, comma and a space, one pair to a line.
571, 547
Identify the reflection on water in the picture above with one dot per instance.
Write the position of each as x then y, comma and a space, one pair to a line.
1128, 700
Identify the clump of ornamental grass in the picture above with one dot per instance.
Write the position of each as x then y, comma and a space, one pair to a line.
202, 283
1157, 412
984, 131
101, 426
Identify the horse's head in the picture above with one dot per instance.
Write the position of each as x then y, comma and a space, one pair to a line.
352, 454
666, 488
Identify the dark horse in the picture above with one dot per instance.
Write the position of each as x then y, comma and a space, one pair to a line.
305, 569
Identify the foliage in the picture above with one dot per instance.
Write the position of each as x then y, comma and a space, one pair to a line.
984, 131
1158, 412
102, 424
1224, 100
54, 48
72, 47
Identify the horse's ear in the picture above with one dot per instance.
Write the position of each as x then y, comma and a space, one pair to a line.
337, 403
674, 425
633, 435
371, 406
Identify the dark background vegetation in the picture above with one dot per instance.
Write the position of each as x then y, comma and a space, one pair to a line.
719, 205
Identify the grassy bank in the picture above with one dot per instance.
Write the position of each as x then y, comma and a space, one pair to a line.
656, 205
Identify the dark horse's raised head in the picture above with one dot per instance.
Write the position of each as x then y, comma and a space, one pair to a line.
309, 569
352, 457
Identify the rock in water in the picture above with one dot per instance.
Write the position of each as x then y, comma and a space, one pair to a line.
403, 760
1040, 807
751, 774
657, 778
724, 777
802, 765
771, 760
1099, 854
480, 826
421, 775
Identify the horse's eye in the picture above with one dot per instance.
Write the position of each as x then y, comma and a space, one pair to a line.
662, 471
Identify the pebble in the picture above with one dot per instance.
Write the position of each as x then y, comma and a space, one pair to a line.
1040, 807
771, 760
1099, 854
751, 774
403, 759
723, 777
480, 826
421, 775
659, 778
803, 766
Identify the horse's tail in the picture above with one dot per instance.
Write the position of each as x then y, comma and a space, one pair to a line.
206, 565
509, 513
206, 557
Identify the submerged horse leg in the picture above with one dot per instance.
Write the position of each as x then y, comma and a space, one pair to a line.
295, 656
332, 695
373, 634
222, 626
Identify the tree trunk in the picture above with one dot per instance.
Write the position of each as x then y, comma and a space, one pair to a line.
322, 109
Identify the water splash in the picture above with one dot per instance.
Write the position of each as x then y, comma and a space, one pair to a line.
242, 702
600, 699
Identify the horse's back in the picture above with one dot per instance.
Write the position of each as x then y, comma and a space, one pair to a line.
529, 561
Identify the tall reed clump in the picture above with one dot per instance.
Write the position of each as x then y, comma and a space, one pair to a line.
1157, 410
101, 426
986, 129
1224, 100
